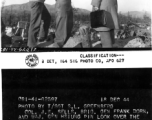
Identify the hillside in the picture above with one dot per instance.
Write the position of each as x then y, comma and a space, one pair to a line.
138, 14
26, 7
51, 9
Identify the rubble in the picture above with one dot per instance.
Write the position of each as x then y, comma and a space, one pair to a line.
130, 36
81, 39
16, 39
136, 36
135, 43
10, 34
73, 42
148, 43
139, 42
6, 41
85, 38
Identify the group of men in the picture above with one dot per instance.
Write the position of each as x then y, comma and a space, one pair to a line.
64, 22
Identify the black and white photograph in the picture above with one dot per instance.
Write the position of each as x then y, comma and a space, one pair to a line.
76, 24
76, 60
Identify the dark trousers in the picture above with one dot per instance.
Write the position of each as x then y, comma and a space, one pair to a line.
38, 13
64, 25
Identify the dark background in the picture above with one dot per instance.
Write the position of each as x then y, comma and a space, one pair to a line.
77, 86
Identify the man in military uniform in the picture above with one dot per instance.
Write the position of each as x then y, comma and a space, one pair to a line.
64, 21
107, 33
38, 13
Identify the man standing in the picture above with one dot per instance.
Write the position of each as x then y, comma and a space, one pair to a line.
64, 22
107, 33
39, 13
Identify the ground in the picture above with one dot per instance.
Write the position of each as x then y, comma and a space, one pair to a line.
83, 39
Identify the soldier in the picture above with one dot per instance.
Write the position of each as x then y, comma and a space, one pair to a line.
64, 22
38, 13
107, 33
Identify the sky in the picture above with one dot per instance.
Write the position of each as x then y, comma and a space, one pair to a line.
124, 5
